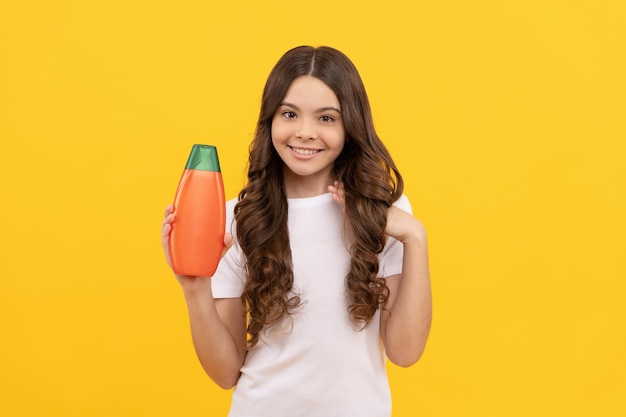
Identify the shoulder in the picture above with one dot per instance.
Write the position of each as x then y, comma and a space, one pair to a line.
230, 204
404, 203
230, 216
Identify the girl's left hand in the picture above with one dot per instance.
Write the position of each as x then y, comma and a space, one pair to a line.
401, 225
338, 194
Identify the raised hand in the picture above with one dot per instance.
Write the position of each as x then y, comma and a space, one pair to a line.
400, 224
338, 194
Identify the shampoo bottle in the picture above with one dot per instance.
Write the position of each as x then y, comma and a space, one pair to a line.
197, 236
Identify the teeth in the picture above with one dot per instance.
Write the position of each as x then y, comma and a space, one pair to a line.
304, 151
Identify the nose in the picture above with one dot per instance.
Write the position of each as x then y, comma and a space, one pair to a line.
306, 130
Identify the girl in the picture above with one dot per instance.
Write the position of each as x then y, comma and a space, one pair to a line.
326, 271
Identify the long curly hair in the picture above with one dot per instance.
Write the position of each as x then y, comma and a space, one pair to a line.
370, 179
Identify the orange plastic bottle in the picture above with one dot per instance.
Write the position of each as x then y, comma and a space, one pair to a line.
197, 236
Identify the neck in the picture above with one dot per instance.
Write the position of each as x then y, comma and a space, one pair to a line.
302, 187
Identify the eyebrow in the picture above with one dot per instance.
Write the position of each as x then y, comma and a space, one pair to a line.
320, 110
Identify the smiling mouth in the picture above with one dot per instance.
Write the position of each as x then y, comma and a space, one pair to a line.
302, 151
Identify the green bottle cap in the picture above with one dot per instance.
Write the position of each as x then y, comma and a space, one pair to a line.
203, 158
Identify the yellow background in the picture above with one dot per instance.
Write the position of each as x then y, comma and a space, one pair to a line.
506, 118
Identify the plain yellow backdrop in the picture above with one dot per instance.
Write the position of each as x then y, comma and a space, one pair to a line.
507, 119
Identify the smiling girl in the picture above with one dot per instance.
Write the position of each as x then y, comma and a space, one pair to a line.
326, 270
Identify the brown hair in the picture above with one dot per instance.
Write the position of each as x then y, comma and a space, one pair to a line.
371, 182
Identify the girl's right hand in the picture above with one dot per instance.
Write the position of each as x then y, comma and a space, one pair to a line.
166, 228
187, 282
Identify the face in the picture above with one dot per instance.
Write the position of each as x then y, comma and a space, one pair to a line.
308, 134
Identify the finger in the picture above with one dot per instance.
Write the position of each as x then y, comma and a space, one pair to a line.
168, 210
165, 238
228, 240
169, 219
228, 243
338, 187
165, 230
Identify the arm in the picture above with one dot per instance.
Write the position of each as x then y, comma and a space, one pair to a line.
406, 317
219, 335
218, 326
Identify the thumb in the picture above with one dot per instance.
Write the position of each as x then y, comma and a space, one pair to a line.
228, 243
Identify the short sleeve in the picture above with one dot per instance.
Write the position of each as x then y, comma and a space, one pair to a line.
390, 260
229, 278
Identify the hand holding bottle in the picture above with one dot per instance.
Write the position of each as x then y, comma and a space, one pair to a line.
188, 282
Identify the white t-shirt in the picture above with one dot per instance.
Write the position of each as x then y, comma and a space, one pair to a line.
316, 363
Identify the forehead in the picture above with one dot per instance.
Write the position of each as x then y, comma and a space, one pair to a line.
312, 91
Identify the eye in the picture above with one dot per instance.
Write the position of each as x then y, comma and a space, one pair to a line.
327, 119
289, 114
